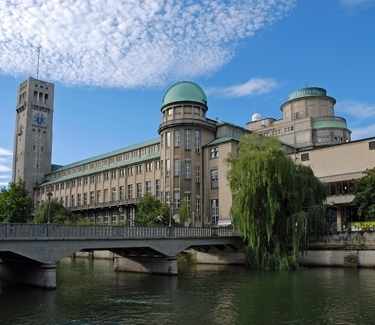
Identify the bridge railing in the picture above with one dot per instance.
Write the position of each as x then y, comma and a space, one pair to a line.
58, 232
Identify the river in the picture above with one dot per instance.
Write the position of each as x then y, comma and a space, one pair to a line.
89, 292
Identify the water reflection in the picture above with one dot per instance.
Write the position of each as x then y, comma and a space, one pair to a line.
91, 293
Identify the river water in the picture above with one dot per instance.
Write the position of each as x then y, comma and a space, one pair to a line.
89, 292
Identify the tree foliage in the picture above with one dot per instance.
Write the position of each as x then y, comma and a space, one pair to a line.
15, 203
276, 203
150, 212
365, 196
184, 213
55, 212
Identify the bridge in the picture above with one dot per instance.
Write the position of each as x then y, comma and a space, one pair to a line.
29, 252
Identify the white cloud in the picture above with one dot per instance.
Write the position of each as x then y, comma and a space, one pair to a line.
128, 43
255, 86
356, 3
5, 152
356, 109
5, 163
4, 168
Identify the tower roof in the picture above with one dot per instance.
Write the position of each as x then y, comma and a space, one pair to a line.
307, 92
184, 91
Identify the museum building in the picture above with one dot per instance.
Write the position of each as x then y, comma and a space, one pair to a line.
187, 162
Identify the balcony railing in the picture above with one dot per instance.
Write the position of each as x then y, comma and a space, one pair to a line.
108, 204
65, 232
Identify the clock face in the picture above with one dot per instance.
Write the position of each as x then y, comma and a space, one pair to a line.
39, 119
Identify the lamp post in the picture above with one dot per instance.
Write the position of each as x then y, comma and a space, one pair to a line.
49, 195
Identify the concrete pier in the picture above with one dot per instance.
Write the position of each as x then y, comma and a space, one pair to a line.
338, 258
33, 274
218, 257
145, 264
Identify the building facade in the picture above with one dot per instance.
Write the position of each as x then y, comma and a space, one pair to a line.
33, 132
188, 163
308, 121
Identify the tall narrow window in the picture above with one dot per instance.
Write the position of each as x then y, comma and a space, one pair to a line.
121, 193
113, 194
214, 176
188, 168
130, 191
197, 140
214, 153
148, 187
157, 188
187, 139
168, 140
177, 167
92, 197
198, 206
197, 175
167, 167
176, 199
214, 211
139, 190
177, 138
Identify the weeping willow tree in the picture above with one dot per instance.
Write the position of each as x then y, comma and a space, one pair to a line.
277, 204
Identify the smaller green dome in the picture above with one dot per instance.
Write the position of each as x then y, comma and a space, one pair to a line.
184, 91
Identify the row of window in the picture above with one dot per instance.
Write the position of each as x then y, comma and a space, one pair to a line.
176, 112
341, 188
182, 138
113, 195
40, 97
104, 176
275, 132
134, 154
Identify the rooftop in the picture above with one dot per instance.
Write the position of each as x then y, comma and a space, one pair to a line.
107, 155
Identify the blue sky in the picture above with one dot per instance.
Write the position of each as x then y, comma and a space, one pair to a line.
247, 55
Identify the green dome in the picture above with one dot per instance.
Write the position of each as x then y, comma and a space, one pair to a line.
184, 91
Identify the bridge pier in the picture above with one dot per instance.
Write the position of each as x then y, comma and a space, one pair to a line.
37, 275
147, 264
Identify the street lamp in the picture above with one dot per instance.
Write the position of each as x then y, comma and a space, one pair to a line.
49, 195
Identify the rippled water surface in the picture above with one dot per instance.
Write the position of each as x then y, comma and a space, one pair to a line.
91, 293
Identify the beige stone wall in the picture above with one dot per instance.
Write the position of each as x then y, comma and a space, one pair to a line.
307, 107
222, 193
340, 162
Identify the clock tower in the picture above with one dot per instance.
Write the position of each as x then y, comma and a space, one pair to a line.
33, 133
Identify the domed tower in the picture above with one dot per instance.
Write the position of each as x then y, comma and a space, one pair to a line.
311, 111
184, 129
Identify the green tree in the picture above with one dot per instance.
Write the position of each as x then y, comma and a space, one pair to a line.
55, 212
184, 213
365, 196
276, 203
150, 212
15, 203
